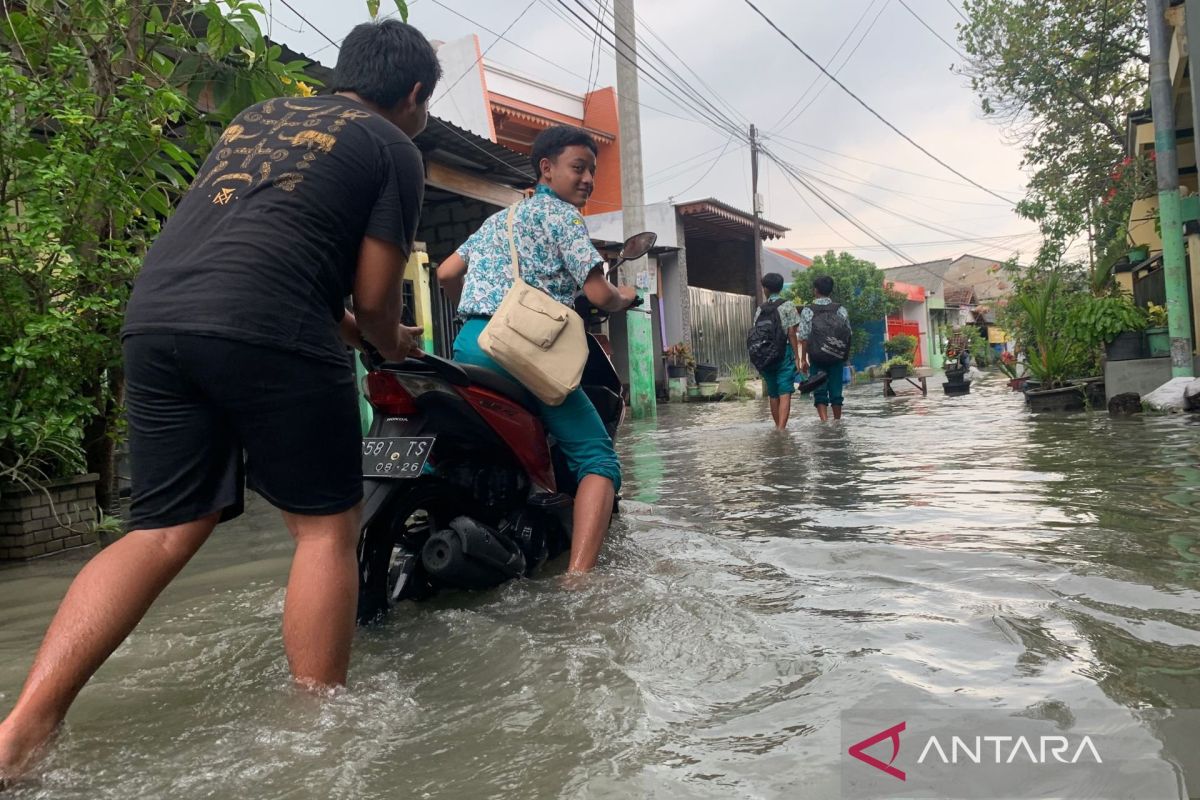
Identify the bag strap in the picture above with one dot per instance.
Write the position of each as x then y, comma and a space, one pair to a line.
512, 245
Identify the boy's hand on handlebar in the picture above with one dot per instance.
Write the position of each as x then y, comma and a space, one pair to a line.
629, 295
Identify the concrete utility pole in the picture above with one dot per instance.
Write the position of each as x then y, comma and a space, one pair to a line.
758, 290
642, 357
1170, 214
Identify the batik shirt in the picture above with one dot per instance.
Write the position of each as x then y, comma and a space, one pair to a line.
789, 317
806, 317
553, 248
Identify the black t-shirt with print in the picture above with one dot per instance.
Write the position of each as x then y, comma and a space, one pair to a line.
263, 247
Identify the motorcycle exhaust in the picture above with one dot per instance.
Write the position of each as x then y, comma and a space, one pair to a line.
471, 556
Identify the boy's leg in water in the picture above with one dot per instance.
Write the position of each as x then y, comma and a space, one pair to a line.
785, 410
775, 411
322, 593
103, 605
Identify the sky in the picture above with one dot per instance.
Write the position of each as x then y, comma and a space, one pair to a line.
891, 58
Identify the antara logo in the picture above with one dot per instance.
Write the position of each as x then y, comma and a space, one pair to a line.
892, 733
979, 750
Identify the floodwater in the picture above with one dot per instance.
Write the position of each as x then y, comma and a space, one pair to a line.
934, 552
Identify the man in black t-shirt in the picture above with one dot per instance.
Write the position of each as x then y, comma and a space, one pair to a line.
234, 343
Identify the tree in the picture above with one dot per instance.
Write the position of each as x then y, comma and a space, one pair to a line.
858, 285
105, 108
1062, 75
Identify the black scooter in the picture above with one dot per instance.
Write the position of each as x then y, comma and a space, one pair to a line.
463, 488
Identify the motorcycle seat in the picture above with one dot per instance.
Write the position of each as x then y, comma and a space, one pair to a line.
489, 379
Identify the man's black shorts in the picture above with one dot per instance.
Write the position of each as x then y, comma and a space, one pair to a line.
195, 404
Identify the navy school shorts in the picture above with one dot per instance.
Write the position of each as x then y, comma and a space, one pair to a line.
209, 415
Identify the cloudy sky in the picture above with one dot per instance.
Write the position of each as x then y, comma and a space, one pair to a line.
880, 49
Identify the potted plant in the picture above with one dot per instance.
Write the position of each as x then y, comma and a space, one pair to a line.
1013, 370
1111, 322
902, 345
897, 368
1158, 336
1050, 357
680, 361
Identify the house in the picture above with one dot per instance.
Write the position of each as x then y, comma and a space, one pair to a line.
510, 108
1142, 272
703, 283
965, 290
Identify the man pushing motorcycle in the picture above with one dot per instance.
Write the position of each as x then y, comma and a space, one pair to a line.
234, 342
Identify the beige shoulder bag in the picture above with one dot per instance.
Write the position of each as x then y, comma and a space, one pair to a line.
539, 340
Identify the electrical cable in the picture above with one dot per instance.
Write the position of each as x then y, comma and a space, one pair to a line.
862, 39
711, 167
873, 112
495, 41
832, 58
929, 28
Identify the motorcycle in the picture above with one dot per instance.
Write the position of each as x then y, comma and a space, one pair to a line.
463, 489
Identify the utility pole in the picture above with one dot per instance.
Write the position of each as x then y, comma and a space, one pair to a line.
1170, 214
758, 290
640, 336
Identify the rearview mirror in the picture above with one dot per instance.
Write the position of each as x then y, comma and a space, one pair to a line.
638, 245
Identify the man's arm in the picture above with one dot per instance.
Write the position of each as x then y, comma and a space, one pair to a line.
796, 345
378, 301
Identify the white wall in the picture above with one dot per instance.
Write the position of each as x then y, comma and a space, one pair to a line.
462, 102
530, 90
660, 218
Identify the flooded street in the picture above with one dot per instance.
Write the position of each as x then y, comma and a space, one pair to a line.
931, 552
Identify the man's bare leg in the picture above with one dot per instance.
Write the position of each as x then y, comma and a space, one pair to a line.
105, 602
593, 511
785, 410
322, 592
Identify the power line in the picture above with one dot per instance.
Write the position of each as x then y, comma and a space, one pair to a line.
791, 173
686, 66
479, 58
872, 163
701, 119
292, 8
699, 101
796, 117
711, 166
929, 28
873, 112
849, 35
958, 11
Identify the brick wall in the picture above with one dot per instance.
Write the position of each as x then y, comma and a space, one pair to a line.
32, 523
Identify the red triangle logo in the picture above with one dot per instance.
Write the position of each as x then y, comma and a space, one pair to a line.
892, 733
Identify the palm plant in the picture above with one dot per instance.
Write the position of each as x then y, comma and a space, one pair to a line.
1050, 358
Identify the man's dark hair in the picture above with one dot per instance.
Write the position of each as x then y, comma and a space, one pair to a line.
381, 62
823, 284
772, 282
551, 142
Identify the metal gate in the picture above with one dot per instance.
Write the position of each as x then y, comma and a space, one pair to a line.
720, 322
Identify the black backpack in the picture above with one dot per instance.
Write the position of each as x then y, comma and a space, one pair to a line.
767, 342
829, 342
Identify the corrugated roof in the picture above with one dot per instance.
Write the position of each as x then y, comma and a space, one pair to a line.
723, 216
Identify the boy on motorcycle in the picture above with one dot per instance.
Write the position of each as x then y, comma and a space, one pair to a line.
558, 257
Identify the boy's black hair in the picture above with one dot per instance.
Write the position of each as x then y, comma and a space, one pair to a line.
551, 142
772, 282
382, 61
824, 285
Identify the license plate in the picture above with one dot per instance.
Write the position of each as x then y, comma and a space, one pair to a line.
395, 456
